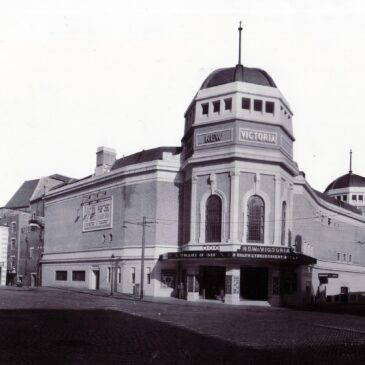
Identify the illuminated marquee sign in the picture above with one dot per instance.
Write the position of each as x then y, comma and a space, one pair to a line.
219, 136
98, 215
246, 252
250, 135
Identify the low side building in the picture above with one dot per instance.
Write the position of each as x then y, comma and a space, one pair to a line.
4, 236
23, 214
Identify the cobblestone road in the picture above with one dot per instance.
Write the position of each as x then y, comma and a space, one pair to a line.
68, 327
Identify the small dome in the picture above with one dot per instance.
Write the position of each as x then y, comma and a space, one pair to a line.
239, 73
346, 181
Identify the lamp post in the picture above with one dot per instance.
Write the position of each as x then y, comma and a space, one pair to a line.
111, 273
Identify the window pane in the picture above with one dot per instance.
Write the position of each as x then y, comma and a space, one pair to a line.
78, 275
257, 105
213, 219
205, 108
228, 104
216, 106
246, 102
269, 107
256, 214
61, 275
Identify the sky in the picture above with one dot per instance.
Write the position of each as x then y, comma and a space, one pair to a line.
79, 74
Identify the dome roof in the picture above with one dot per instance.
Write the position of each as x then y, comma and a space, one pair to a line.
239, 73
346, 181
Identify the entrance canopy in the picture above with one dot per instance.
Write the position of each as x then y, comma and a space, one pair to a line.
246, 253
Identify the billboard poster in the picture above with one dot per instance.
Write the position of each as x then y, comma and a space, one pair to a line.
98, 215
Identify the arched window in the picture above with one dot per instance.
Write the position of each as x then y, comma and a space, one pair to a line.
255, 219
213, 219
283, 223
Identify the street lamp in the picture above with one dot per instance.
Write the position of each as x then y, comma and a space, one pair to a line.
111, 273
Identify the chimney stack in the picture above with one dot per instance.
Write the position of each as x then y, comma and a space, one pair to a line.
105, 158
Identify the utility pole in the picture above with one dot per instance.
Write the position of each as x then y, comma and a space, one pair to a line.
142, 255
144, 225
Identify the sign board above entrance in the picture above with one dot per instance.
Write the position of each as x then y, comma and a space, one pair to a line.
328, 275
246, 252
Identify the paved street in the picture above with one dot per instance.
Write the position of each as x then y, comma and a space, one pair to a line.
56, 326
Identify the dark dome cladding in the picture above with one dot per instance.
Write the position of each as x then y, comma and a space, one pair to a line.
226, 75
346, 181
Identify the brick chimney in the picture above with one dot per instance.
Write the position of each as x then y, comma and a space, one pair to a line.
105, 158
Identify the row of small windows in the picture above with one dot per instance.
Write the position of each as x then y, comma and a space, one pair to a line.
255, 220
343, 257
217, 106
77, 275
354, 197
61, 275
245, 104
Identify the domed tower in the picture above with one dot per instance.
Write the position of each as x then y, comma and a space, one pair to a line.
238, 161
349, 188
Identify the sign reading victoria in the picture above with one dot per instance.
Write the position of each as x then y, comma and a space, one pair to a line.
251, 135
98, 215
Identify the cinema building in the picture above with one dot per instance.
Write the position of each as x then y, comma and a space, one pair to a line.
227, 215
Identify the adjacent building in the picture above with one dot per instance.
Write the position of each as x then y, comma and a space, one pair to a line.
23, 215
4, 234
227, 215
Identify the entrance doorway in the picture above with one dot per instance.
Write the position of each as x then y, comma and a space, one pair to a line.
33, 279
212, 282
95, 279
254, 283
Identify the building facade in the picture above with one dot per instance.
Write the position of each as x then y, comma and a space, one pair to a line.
23, 214
4, 235
227, 216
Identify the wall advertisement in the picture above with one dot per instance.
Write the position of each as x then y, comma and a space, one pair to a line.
98, 215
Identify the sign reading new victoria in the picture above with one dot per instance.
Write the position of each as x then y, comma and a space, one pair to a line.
245, 135
266, 253
98, 215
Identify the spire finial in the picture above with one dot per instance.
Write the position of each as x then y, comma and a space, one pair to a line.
239, 43
350, 162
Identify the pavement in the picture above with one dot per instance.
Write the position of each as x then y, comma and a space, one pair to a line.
176, 330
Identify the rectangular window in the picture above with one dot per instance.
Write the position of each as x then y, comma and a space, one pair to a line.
216, 106
13, 243
109, 275
13, 227
246, 103
350, 258
133, 275
78, 275
269, 107
338, 256
61, 275
148, 274
338, 197
361, 198
228, 104
257, 105
354, 197
344, 257
344, 198
168, 278
31, 252
119, 274
205, 108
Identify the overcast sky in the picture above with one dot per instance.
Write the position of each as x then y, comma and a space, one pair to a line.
78, 74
